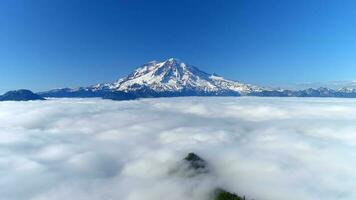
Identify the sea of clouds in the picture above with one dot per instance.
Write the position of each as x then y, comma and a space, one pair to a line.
93, 149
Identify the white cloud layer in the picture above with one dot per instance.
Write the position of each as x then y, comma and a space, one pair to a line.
92, 149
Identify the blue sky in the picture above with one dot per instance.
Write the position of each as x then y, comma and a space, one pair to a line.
48, 44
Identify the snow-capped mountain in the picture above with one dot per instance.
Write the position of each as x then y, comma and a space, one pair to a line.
175, 77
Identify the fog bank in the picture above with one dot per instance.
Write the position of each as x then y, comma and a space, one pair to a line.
93, 149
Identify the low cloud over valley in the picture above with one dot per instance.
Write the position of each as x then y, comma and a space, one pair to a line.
93, 149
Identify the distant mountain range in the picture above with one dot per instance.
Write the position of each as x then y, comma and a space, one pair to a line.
173, 78
335, 85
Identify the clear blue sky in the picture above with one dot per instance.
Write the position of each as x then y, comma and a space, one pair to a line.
56, 43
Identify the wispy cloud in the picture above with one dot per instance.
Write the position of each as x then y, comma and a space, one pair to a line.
265, 148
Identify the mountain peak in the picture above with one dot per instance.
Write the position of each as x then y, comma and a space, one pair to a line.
173, 60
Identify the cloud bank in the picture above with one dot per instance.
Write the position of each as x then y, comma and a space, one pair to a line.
93, 149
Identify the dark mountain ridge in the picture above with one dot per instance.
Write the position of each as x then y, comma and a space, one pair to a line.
20, 95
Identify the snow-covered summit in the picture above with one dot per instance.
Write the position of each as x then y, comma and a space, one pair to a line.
174, 75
